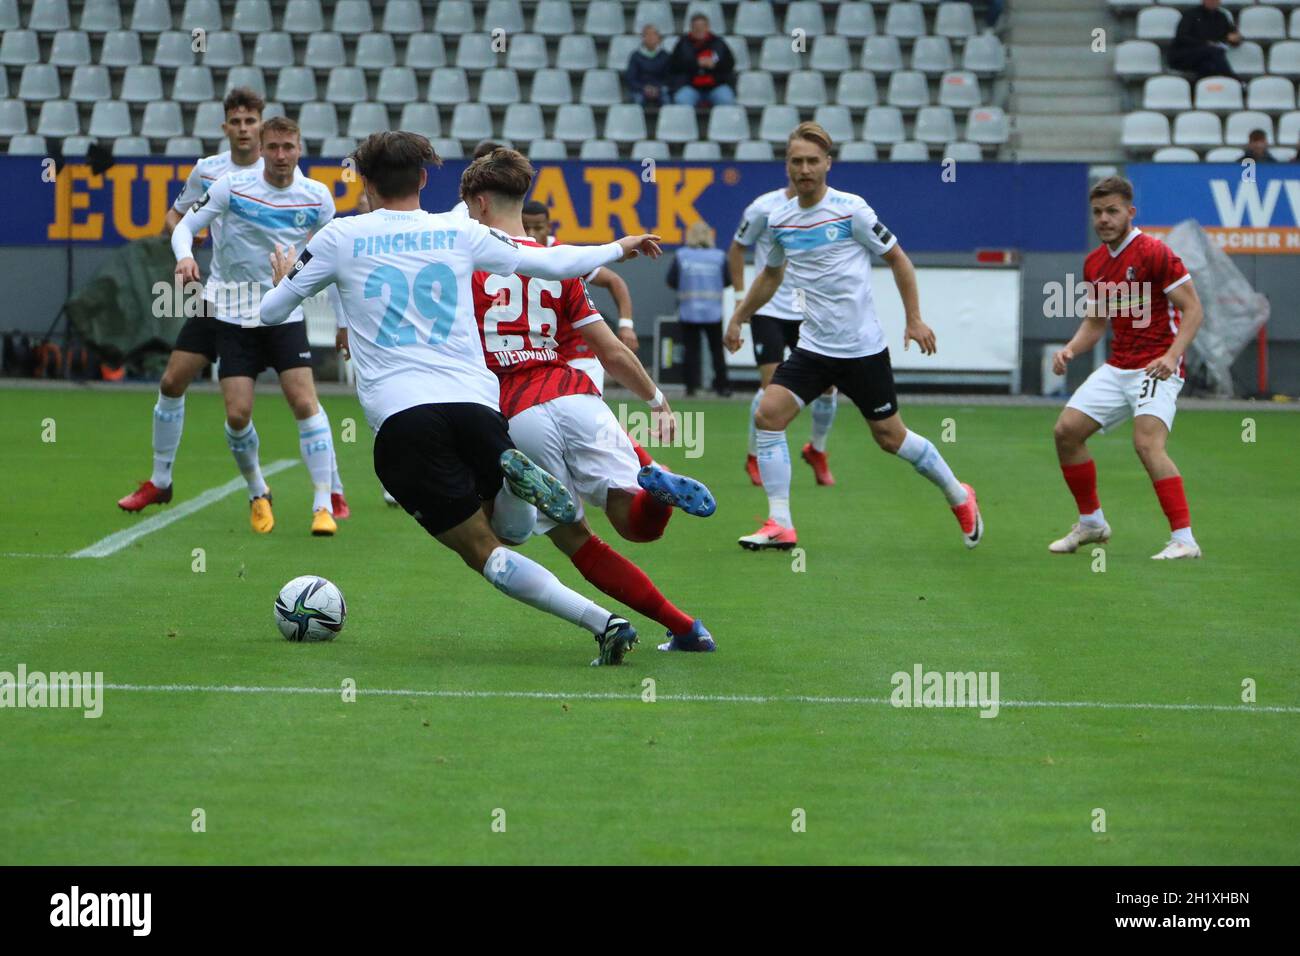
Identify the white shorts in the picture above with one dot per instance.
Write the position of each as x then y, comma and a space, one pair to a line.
1112, 394
595, 371
579, 441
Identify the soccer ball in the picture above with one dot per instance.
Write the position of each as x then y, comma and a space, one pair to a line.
310, 608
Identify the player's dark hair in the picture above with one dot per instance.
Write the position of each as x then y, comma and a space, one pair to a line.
1112, 186
281, 124
485, 147
505, 172
392, 161
241, 97
813, 133
535, 208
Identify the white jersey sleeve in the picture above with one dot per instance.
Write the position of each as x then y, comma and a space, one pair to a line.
871, 232
753, 222
214, 204
491, 251
193, 189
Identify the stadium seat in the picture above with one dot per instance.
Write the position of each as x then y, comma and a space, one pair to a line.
425, 51
453, 18
1127, 6
325, 51
131, 146
908, 89
448, 85
1270, 93
25, 144
13, 117
984, 54
677, 124
421, 118
523, 122
1167, 93
547, 150
856, 20
553, 88
598, 150
1218, 93
471, 122
225, 49
397, 85
1136, 59
831, 55
857, 89
140, 84
1284, 154
932, 55
193, 84
500, 87
174, 49
296, 84
448, 148
935, 124
705, 151
806, 16
1157, 23
507, 15
352, 17
601, 88
304, 17
987, 125
959, 89
272, 51
251, 77
40, 82
162, 120
1294, 31
9, 18
70, 48
49, 15
1262, 23
337, 146
777, 122
204, 14
909, 151
77, 145
754, 19
754, 150
4, 84
777, 55
655, 149
963, 152
474, 52
711, 9
1220, 154
367, 118
152, 16
99, 16
527, 51
1177, 154
804, 88
903, 19
1238, 126
574, 123
1288, 127
856, 152
755, 89
577, 53
728, 124
402, 17
604, 19
19, 47
346, 84
109, 119
620, 51
1247, 59
625, 123
882, 54
273, 108
89, 83
208, 118
318, 120
1284, 58
553, 18
657, 12
375, 51
884, 124
251, 16
1197, 128
836, 120
955, 20
121, 48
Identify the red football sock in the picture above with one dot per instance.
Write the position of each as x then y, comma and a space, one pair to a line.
1082, 480
626, 583
1174, 502
642, 455
647, 518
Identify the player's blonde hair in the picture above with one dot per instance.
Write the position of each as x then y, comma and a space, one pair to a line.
813, 133
699, 235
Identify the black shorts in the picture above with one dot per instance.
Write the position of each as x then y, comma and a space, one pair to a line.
868, 381
199, 335
245, 352
772, 337
442, 461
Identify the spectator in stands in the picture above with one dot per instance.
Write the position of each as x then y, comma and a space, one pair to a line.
702, 67
1199, 44
647, 69
699, 274
1257, 147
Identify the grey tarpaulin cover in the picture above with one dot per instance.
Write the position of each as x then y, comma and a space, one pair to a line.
1234, 311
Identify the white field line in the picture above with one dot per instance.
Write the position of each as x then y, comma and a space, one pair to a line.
120, 539
687, 698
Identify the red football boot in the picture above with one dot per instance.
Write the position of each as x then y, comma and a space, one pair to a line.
147, 494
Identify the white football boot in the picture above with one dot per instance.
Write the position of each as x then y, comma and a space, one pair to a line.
1175, 549
1080, 534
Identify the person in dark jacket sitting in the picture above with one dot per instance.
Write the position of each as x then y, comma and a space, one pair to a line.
1199, 43
647, 69
702, 67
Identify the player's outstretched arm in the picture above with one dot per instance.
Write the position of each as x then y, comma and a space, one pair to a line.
1186, 301
766, 283
905, 279
567, 262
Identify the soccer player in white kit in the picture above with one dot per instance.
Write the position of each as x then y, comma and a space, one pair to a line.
442, 444
822, 238
256, 212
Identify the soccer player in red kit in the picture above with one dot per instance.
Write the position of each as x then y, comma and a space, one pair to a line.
555, 411
1143, 288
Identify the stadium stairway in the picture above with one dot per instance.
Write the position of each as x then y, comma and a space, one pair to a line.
1065, 101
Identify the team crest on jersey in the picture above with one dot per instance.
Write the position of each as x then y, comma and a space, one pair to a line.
1131, 274
299, 218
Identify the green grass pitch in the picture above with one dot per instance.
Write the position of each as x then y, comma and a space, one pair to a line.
691, 777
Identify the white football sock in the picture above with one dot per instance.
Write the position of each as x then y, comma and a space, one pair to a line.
774, 468
168, 423
925, 458
1094, 520
336, 483
823, 417
318, 452
1184, 535
244, 445
512, 518
753, 410
527, 581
